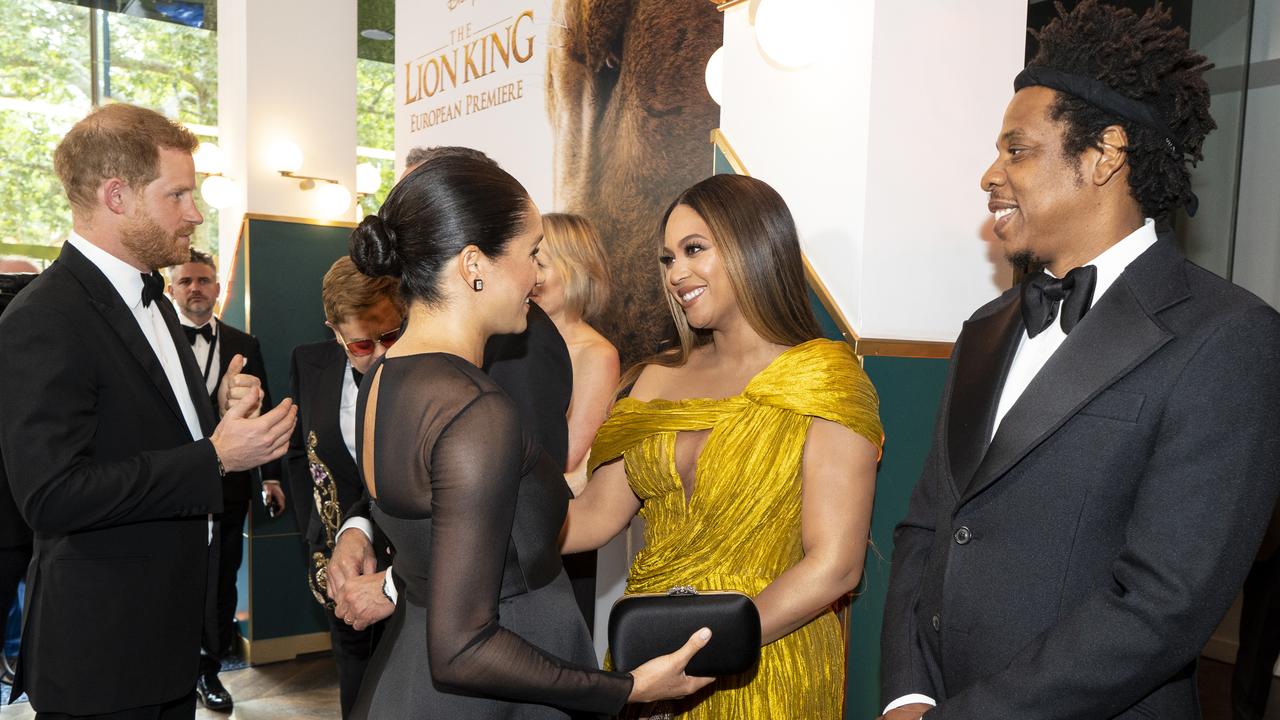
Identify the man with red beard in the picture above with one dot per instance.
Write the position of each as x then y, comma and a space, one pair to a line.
108, 439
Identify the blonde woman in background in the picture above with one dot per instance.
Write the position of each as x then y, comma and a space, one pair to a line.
575, 287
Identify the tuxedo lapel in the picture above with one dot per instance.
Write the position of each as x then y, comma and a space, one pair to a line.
983, 362
121, 320
1119, 332
190, 370
328, 400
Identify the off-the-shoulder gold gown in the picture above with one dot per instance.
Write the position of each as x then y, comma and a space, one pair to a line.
740, 528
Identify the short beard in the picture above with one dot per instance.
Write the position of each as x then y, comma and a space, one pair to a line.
151, 245
1025, 261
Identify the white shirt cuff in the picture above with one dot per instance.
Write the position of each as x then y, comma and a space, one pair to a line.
389, 587
908, 700
358, 523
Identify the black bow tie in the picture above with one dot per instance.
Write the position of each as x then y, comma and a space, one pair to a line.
205, 331
152, 287
1042, 295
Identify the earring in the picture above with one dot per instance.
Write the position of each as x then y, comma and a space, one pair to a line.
478, 284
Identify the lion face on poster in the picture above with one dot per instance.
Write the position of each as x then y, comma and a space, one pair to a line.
632, 119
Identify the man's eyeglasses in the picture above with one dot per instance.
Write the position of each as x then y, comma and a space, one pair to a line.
361, 348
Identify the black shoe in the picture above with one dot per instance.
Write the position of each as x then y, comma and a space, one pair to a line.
211, 693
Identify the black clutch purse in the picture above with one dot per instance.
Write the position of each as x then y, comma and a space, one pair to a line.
644, 626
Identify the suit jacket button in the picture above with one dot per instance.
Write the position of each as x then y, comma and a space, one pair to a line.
963, 536
937, 622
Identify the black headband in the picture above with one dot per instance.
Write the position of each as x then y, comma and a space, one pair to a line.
1104, 97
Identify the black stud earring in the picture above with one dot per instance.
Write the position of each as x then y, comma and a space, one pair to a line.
478, 284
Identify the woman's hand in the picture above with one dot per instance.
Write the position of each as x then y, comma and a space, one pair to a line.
663, 678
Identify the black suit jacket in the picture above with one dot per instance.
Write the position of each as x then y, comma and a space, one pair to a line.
316, 376
238, 487
1075, 566
103, 468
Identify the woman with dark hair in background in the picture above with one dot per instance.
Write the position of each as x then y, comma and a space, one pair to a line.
485, 626
750, 451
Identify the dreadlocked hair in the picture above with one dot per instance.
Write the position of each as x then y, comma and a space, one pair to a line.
1145, 58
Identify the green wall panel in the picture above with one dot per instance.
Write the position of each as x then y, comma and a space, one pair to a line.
910, 390
275, 295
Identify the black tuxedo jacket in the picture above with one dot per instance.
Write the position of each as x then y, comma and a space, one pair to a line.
238, 487
103, 468
318, 464
1075, 566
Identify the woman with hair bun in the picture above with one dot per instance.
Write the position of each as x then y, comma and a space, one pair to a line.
485, 626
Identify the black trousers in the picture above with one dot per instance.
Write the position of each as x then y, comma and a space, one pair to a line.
351, 652
1259, 641
13, 567
183, 708
219, 641
581, 569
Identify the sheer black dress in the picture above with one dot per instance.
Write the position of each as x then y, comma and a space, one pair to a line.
486, 625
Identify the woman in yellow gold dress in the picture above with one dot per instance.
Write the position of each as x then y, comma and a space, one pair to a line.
749, 450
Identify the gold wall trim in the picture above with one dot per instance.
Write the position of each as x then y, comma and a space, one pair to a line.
877, 347
261, 652
299, 220
874, 347
723, 5
819, 288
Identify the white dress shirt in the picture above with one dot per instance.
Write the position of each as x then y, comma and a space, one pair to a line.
1034, 352
127, 281
203, 350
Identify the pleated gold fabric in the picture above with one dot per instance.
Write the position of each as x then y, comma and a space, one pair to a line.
740, 529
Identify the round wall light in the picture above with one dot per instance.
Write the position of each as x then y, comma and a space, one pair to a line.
285, 156
208, 159
368, 178
791, 33
219, 192
715, 75
332, 199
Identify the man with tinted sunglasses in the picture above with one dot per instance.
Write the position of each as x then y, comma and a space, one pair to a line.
365, 315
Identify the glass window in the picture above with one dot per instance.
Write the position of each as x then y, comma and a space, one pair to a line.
375, 126
46, 85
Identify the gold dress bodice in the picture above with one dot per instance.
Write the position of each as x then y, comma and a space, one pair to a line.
740, 527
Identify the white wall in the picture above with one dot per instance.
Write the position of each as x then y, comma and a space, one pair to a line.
286, 70
878, 148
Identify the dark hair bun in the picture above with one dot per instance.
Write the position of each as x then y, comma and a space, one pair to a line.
373, 248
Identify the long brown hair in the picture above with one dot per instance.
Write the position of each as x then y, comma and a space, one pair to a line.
756, 236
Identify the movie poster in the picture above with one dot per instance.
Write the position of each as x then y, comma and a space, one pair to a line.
599, 107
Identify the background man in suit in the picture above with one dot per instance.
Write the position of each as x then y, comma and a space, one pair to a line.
194, 286
365, 315
107, 439
1100, 482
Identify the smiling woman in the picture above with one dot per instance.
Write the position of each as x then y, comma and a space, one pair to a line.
719, 440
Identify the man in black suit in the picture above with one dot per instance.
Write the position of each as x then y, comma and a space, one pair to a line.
1100, 482
107, 437
365, 316
194, 286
